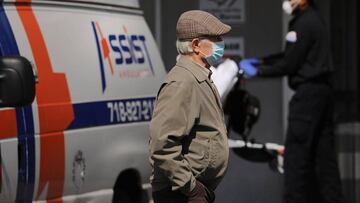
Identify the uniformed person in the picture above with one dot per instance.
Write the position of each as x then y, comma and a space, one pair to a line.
188, 138
311, 170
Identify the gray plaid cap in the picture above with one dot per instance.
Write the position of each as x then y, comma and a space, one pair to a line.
197, 23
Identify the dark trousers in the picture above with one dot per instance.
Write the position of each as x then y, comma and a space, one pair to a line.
200, 194
311, 170
167, 195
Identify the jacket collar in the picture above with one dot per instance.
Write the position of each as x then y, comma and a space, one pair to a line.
193, 67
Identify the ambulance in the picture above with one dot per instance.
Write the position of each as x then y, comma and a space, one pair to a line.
78, 81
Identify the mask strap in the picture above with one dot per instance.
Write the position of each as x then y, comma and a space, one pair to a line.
212, 47
202, 53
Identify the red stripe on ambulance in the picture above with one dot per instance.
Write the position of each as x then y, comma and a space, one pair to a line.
8, 128
106, 49
55, 108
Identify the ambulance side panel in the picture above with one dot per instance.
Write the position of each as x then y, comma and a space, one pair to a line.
99, 72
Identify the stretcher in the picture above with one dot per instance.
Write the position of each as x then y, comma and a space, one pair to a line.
242, 111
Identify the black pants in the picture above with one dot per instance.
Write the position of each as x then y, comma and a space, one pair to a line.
200, 194
311, 170
167, 195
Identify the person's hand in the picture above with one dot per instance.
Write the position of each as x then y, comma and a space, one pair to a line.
248, 66
253, 61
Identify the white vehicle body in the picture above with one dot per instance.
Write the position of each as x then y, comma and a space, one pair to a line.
98, 74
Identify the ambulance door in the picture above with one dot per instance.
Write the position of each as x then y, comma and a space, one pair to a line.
34, 165
17, 142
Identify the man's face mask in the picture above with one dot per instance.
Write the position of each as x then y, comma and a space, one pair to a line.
290, 5
217, 53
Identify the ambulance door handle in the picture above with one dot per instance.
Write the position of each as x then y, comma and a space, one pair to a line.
20, 155
35, 72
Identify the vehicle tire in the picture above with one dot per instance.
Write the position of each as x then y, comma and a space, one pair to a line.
127, 188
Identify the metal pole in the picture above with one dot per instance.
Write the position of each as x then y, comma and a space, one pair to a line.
158, 23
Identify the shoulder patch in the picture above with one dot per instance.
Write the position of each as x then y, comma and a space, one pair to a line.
291, 37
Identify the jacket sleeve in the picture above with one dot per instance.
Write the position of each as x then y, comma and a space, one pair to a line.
294, 56
174, 116
272, 59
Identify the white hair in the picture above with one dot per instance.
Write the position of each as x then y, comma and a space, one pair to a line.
184, 47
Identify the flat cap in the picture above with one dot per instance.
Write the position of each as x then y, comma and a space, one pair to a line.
197, 23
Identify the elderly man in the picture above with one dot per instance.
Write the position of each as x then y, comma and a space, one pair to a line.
188, 138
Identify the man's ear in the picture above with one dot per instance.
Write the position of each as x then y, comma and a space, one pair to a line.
195, 45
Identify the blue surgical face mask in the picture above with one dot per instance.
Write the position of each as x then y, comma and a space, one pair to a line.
217, 53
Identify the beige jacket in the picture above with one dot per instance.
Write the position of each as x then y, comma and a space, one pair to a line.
188, 137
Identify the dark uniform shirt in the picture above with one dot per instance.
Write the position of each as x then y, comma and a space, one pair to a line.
307, 53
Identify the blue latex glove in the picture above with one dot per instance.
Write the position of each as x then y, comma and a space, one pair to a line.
248, 66
253, 61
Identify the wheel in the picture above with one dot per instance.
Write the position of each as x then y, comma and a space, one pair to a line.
127, 188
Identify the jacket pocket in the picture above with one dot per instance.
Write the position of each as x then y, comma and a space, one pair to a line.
199, 152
